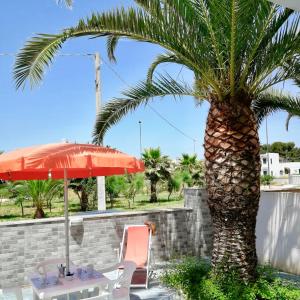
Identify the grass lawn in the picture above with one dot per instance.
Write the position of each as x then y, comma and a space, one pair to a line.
9, 211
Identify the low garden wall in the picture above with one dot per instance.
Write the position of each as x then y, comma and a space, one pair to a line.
182, 231
26, 243
278, 230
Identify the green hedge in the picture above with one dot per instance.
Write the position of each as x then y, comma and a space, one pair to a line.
194, 278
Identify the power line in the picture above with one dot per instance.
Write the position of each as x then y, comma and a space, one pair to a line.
127, 84
151, 107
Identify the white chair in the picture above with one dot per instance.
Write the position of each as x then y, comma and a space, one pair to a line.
119, 288
17, 291
49, 265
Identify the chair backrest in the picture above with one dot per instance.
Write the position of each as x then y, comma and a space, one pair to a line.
137, 248
50, 265
125, 277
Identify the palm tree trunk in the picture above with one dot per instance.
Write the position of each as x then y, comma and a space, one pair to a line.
233, 184
153, 197
39, 213
84, 200
22, 208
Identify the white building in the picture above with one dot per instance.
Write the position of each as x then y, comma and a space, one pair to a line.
276, 167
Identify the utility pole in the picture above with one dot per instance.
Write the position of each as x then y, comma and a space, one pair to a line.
100, 179
267, 136
194, 141
141, 148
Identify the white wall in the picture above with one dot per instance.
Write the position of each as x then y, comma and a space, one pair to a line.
278, 230
294, 179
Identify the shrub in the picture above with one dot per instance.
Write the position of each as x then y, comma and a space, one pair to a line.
266, 179
195, 279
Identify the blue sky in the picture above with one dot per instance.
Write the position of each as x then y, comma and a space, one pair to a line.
63, 106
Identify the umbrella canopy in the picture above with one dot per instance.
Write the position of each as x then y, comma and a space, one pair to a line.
80, 161
65, 161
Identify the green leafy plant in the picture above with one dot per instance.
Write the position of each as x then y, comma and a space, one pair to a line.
174, 182
114, 185
195, 279
134, 183
266, 179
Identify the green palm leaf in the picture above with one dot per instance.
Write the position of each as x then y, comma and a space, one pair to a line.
114, 110
269, 103
67, 3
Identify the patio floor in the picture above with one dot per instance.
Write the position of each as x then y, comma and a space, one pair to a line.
154, 292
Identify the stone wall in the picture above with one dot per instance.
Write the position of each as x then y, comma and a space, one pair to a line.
26, 243
201, 226
23, 244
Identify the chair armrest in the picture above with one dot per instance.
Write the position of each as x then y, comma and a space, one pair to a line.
111, 268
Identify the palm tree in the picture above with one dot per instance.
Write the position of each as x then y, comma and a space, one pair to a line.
237, 50
157, 168
39, 191
83, 187
191, 164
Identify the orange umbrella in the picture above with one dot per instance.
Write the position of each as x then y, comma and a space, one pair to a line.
79, 160
64, 160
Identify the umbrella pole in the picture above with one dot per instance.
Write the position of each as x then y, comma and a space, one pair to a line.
66, 221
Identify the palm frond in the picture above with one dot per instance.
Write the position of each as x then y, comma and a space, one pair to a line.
37, 54
67, 3
271, 102
287, 122
160, 59
283, 48
232, 51
114, 110
112, 42
132, 23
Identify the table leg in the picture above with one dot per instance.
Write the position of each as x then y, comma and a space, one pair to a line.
35, 296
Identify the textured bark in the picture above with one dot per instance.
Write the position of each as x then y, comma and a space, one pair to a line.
84, 200
233, 184
39, 213
153, 196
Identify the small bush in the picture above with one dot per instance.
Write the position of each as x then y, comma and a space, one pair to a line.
266, 179
194, 278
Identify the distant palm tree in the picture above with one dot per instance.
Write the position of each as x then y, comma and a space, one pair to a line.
157, 168
237, 50
188, 161
194, 167
39, 191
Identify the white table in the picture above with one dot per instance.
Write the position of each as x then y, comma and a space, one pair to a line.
64, 286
